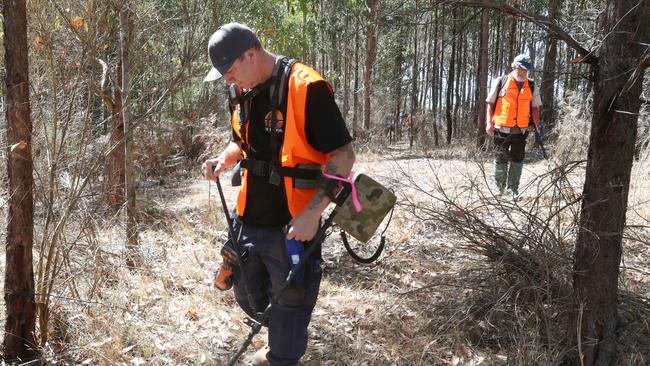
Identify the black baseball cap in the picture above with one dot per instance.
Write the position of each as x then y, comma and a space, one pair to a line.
226, 45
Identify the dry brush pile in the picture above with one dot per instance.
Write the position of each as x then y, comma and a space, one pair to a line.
513, 283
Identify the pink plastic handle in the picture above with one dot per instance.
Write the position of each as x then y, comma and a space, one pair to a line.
355, 198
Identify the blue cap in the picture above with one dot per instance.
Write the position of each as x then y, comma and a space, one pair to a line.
226, 45
523, 62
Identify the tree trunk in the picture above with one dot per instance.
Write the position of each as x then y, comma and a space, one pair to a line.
371, 24
568, 82
548, 74
450, 84
605, 194
304, 32
532, 47
459, 40
441, 74
320, 36
497, 48
512, 45
346, 73
414, 83
482, 78
20, 323
115, 173
398, 98
126, 46
426, 67
355, 118
398, 61
434, 85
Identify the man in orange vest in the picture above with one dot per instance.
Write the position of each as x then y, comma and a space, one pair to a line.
286, 130
512, 100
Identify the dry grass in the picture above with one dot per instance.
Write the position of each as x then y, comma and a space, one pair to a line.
443, 293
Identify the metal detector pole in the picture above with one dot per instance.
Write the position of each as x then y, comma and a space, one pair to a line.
256, 325
235, 242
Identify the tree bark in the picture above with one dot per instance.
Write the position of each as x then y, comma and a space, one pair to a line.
513, 39
592, 326
19, 340
346, 72
126, 46
115, 161
434, 84
414, 82
497, 49
398, 61
549, 74
459, 39
355, 100
115, 173
450, 84
371, 24
426, 66
303, 30
482, 78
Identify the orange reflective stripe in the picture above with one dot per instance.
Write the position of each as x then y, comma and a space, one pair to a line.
296, 150
513, 109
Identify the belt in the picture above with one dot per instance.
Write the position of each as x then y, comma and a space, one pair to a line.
512, 130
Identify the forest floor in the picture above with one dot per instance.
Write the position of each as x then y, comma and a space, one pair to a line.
392, 312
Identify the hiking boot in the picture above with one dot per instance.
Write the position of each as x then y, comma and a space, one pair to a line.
259, 358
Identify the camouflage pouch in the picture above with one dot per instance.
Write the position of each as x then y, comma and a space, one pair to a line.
376, 201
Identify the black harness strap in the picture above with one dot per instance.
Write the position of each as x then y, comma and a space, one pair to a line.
244, 105
263, 168
279, 80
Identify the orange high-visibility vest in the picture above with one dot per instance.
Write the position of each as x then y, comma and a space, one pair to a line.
295, 149
513, 108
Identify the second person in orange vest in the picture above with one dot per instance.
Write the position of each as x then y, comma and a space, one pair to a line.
285, 127
512, 102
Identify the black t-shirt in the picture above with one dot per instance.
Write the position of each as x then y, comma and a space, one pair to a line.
266, 204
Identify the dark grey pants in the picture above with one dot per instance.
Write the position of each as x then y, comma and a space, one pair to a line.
510, 147
266, 267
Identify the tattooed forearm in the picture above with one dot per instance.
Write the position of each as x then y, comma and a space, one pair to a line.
340, 164
331, 168
317, 200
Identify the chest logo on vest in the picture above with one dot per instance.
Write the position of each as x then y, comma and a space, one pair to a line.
279, 121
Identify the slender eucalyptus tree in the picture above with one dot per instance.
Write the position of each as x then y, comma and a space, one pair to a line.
127, 13
19, 339
482, 77
372, 7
